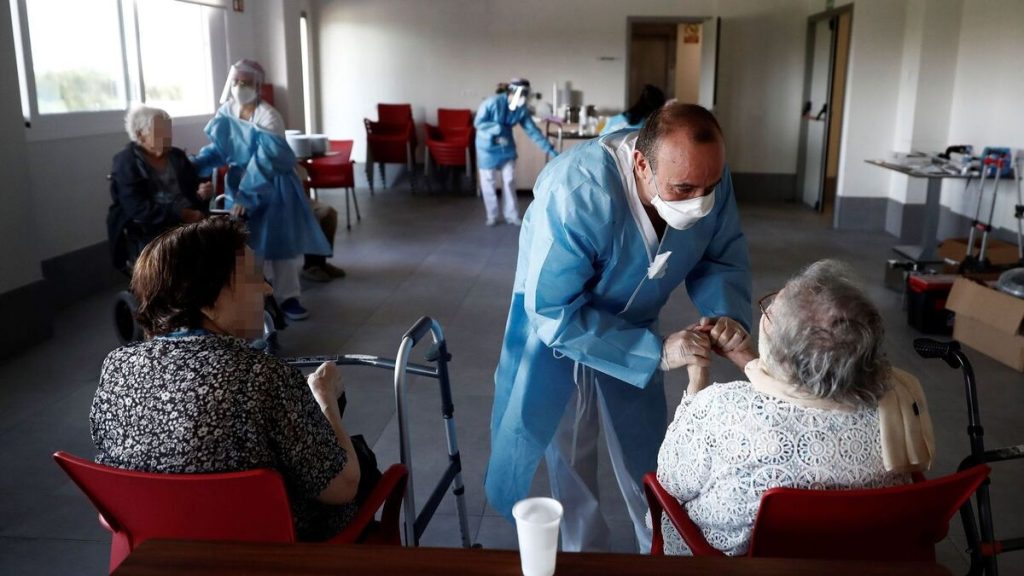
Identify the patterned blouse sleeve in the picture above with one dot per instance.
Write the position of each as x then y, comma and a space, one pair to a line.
307, 449
684, 461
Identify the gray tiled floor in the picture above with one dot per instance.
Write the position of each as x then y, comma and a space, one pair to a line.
415, 255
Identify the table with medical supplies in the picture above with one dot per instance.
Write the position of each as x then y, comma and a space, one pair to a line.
167, 557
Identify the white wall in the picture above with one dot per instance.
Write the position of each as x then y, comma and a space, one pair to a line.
451, 53
872, 93
988, 94
20, 264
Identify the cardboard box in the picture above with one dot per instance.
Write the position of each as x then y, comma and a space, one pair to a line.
989, 321
998, 253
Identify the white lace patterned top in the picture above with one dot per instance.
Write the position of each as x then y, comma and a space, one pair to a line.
730, 443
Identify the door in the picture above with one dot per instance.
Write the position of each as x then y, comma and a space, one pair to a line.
678, 55
828, 45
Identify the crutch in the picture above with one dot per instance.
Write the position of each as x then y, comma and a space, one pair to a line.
1018, 209
985, 228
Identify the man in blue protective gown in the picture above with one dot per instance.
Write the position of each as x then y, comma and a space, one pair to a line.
496, 149
617, 225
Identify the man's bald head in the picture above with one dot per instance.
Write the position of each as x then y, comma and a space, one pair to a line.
697, 122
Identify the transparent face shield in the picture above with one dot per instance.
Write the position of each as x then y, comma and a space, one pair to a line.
517, 97
243, 76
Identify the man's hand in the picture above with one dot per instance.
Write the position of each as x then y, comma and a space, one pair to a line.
326, 385
205, 191
728, 339
501, 140
686, 348
238, 211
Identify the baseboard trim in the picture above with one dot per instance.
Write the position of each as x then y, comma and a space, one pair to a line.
73, 276
755, 186
28, 315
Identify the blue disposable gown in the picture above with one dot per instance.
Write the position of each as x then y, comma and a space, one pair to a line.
582, 294
261, 177
494, 120
620, 122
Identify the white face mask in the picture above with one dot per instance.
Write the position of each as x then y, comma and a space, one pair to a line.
243, 94
517, 99
682, 214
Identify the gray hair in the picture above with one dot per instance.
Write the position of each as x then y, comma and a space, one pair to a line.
826, 337
140, 119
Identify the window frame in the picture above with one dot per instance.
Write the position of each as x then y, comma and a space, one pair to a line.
42, 127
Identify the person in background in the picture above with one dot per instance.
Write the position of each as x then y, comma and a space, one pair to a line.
153, 186
822, 409
496, 149
618, 223
651, 98
247, 134
196, 398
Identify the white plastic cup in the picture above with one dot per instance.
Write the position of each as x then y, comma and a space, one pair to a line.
537, 522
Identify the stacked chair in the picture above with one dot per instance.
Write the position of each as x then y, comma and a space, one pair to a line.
391, 140
450, 143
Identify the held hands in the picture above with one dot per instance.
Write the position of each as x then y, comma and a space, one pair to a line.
727, 338
326, 385
238, 211
686, 348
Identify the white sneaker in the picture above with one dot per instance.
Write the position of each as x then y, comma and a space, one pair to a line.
514, 221
492, 222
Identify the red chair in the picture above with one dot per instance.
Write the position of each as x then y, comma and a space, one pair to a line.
901, 523
391, 140
335, 170
250, 506
450, 143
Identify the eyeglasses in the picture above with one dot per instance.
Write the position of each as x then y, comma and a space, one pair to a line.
766, 302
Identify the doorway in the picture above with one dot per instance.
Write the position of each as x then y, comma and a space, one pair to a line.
678, 55
828, 51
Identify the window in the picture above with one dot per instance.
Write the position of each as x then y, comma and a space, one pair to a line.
83, 62
77, 60
174, 46
307, 78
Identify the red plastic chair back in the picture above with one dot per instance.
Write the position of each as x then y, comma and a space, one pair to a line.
885, 524
136, 506
901, 523
334, 170
240, 506
454, 118
390, 143
394, 113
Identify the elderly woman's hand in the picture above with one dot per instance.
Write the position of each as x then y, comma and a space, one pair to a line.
728, 338
685, 348
326, 385
205, 191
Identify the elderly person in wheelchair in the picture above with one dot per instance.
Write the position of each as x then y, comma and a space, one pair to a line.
822, 409
153, 186
196, 398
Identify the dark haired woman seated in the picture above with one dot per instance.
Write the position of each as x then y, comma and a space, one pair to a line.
195, 398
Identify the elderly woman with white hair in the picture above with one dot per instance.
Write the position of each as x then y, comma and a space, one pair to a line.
822, 409
153, 186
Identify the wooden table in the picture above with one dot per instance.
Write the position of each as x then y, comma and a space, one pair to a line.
167, 557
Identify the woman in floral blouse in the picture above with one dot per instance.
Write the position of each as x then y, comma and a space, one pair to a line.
195, 398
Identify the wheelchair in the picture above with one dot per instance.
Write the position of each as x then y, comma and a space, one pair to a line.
126, 306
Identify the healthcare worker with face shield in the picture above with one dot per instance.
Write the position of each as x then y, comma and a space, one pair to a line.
247, 134
496, 149
617, 224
